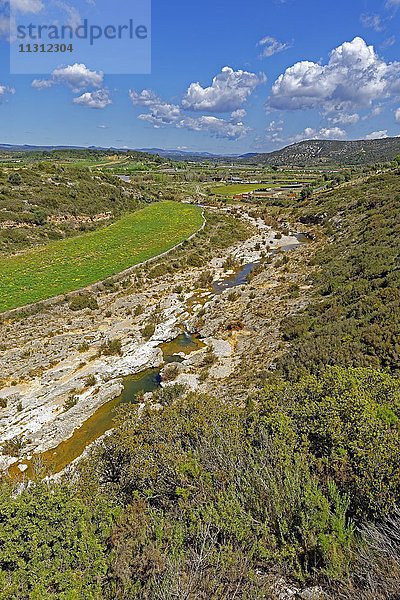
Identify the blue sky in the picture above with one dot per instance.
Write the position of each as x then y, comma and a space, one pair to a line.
226, 77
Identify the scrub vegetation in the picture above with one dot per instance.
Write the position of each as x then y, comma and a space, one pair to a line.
42, 202
354, 319
297, 482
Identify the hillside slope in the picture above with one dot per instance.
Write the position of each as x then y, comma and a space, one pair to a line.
295, 485
43, 202
329, 152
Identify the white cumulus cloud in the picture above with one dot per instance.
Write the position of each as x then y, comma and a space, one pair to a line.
271, 46
355, 76
5, 89
397, 115
238, 115
344, 119
27, 6
228, 91
214, 126
42, 84
377, 135
77, 77
325, 133
162, 114
99, 99
144, 98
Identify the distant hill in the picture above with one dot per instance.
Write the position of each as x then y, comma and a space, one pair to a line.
187, 154
45, 202
308, 153
172, 154
74, 152
28, 148
328, 152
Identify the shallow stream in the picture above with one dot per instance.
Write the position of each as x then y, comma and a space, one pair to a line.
102, 420
147, 381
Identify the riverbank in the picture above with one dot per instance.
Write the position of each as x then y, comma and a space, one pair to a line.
49, 402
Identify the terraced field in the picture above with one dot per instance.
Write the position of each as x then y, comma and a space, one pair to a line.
73, 263
243, 188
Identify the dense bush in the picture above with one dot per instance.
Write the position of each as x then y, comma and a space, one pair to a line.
52, 544
354, 319
206, 498
82, 301
349, 422
148, 330
281, 483
15, 179
112, 348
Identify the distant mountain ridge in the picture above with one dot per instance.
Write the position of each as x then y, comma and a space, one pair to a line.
172, 154
31, 148
56, 151
330, 152
307, 153
186, 154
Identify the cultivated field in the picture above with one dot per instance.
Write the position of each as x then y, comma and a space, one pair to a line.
243, 188
73, 263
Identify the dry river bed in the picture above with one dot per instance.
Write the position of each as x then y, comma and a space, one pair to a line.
60, 390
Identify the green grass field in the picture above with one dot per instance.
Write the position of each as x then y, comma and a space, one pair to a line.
73, 263
123, 167
242, 188
93, 162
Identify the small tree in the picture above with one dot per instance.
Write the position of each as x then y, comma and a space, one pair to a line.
305, 193
15, 179
112, 348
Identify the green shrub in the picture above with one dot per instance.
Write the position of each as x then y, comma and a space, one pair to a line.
82, 301
349, 420
90, 380
139, 310
201, 474
70, 402
15, 179
148, 330
52, 544
167, 395
84, 347
112, 348
354, 316
14, 446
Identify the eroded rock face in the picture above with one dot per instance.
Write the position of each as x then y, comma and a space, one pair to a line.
56, 370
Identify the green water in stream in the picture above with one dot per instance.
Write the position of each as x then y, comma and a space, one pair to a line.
102, 420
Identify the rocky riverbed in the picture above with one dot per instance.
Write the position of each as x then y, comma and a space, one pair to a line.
59, 366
